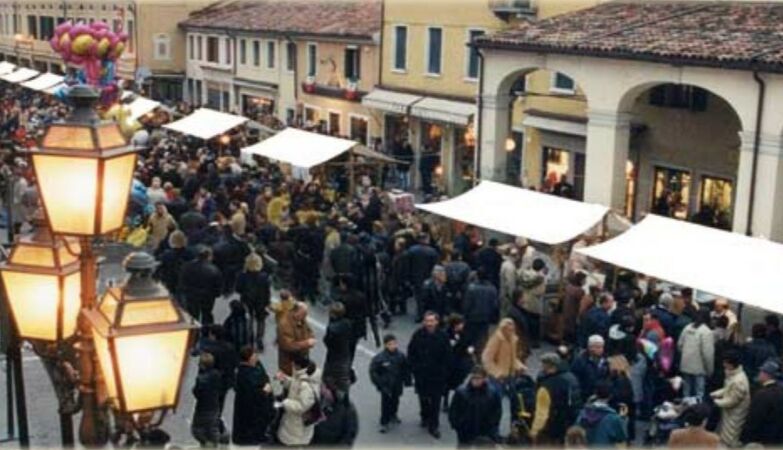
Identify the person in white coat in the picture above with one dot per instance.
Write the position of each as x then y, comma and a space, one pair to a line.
733, 399
303, 392
696, 347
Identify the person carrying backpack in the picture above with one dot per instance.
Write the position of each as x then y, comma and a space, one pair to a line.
557, 401
605, 426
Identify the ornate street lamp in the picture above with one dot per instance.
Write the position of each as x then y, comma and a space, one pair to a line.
42, 284
138, 325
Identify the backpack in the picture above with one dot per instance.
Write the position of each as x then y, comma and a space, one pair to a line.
317, 413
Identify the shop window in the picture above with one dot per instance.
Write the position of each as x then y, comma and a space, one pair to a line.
562, 83
213, 49
359, 129
352, 63
434, 50
334, 124
671, 193
464, 147
563, 173
679, 96
311, 115
473, 55
715, 202
431, 137
400, 47
514, 160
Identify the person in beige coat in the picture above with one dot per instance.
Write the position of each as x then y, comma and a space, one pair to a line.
304, 388
499, 357
733, 399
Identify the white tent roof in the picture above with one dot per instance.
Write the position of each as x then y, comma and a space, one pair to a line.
6, 67
141, 106
43, 82
300, 148
20, 75
726, 264
520, 212
53, 89
205, 123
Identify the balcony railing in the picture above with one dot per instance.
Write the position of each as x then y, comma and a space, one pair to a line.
508, 9
323, 90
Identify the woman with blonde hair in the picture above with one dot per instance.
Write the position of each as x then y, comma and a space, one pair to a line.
500, 359
255, 291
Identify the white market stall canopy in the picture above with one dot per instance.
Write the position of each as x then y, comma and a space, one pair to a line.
6, 67
520, 212
23, 74
141, 106
54, 88
300, 148
206, 123
44, 82
726, 264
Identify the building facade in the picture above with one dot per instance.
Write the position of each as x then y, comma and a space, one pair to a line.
667, 127
287, 63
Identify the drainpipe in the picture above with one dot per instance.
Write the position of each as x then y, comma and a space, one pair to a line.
380, 44
756, 150
479, 128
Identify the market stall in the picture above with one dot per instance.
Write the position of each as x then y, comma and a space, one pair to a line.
6, 67
43, 82
22, 74
141, 106
206, 123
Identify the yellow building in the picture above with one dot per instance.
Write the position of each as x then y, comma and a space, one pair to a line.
155, 52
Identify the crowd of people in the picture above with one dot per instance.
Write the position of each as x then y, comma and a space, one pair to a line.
612, 355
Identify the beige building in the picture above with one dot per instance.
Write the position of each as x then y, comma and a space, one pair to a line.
155, 52
681, 111
287, 60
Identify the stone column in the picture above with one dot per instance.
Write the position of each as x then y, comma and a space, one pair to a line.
767, 209
608, 138
495, 129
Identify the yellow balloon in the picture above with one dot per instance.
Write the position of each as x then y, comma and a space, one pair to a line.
129, 126
119, 49
113, 112
81, 45
103, 47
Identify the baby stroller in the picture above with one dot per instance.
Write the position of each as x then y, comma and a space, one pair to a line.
523, 392
666, 418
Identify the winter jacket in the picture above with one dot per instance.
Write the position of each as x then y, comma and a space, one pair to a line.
344, 259
693, 437
475, 412
588, 371
207, 391
500, 357
338, 349
253, 410
389, 372
696, 348
429, 355
480, 304
754, 353
461, 360
254, 291
171, 263
604, 427
340, 427
420, 260
291, 340
303, 392
199, 282
734, 401
508, 286
594, 321
238, 330
433, 297
489, 261
558, 401
226, 359
356, 311
533, 286
765, 418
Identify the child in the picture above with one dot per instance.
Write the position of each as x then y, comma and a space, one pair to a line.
389, 373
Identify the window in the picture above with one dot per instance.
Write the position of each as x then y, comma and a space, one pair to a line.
352, 63
228, 51
359, 129
562, 83
242, 51
434, 49
290, 116
32, 26
200, 53
679, 96
400, 47
47, 28
162, 44
290, 56
473, 55
191, 42
312, 59
256, 53
334, 123
213, 49
270, 54
131, 45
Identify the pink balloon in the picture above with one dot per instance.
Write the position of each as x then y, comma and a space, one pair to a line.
63, 28
92, 52
99, 25
79, 30
76, 59
55, 44
113, 39
123, 36
100, 34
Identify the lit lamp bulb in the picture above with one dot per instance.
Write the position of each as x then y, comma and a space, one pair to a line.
225, 139
439, 170
510, 144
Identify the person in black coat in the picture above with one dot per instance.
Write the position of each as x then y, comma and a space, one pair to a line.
338, 341
429, 354
462, 359
475, 410
255, 291
226, 361
488, 261
774, 333
253, 401
230, 254
756, 352
205, 425
765, 417
420, 259
171, 262
480, 307
390, 373
434, 295
341, 425
200, 283
309, 241
237, 326
356, 310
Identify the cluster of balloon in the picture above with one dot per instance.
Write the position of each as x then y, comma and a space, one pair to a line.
122, 115
96, 49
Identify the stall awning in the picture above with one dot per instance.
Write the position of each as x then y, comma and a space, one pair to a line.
6, 67
395, 102
300, 148
141, 106
43, 82
53, 89
206, 123
366, 152
23, 74
450, 111
722, 263
557, 125
520, 212
126, 94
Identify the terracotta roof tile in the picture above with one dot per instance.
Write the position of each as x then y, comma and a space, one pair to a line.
336, 18
728, 34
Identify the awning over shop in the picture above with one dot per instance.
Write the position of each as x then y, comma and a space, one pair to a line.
141, 106
206, 123
458, 113
6, 67
395, 102
23, 74
44, 82
53, 89
520, 212
722, 263
556, 124
300, 148
366, 152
